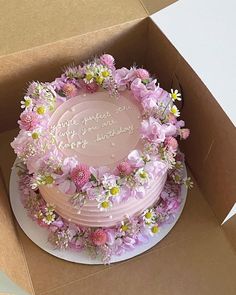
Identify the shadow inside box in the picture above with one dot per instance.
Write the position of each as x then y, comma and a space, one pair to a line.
125, 42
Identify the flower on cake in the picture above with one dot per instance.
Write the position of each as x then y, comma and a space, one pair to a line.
175, 95
99, 237
26, 103
172, 144
80, 175
70, 90
173, 109
29, 120
142, 176
152, 130
153, 229
149, 216
184, 133
108, 60
124, 168
104, 204
135, 159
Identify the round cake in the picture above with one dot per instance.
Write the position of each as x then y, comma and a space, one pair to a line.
99, 130
99, 160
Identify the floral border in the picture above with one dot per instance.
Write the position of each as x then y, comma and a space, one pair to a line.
35, 146
103, 242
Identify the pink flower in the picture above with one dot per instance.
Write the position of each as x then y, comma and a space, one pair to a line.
70, 90
152, 130
135, 159
99, 237
89, 87
124, 168
142, 74
124, 76
80, 175
108, 60
172, 144
28, 120
184, 133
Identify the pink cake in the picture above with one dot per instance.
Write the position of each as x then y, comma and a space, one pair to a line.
85, 127
99, 163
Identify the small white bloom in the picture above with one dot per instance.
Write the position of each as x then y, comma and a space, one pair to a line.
142, 176
174, 111
26, 103
105, 205
49, 218
153, 229
175, 95
149, 216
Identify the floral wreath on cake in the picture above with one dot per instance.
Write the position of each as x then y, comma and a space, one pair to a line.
42, 163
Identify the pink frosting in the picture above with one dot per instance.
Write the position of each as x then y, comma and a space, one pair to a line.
94, 119
90, 214
90, 117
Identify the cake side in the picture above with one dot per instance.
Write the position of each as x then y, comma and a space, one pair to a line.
90, 215
99, 163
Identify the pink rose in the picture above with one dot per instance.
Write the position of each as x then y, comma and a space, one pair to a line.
124, 168
99, 237
142, 74
184, 133
172, 144
28, 120
80, 175
108, 60
70, 90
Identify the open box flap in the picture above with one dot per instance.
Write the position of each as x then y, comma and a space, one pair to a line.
32, 23
28, 23
152, 6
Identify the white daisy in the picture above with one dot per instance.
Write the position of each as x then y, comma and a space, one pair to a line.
142, 176
49, 217
175, 95
105, 205
149, 216
154, 229
174, 111
26, 103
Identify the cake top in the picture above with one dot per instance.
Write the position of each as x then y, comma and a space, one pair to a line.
99, 133
97, 129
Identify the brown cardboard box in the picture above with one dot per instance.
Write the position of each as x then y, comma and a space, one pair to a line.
197, 257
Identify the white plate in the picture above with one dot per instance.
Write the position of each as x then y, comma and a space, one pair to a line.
39, 235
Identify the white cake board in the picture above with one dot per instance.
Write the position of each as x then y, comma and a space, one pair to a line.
39, 235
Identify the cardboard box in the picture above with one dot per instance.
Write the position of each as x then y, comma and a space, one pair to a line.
196, 257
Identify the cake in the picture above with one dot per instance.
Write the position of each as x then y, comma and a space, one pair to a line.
99, 164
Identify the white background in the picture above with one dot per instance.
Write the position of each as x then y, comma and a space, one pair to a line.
204, 32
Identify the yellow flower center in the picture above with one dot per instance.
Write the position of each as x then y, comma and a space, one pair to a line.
89, 77
155, 229
49, 179
148, 215
174, 96
35, 135
105, 204
124, 227
105, 73
41, 110
114, 190
27, 103
143, 174
99, 80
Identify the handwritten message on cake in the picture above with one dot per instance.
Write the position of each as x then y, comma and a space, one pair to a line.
96, 128
101, 126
